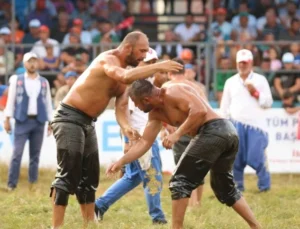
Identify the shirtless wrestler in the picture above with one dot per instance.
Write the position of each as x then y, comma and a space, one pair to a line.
213, 147
73, 123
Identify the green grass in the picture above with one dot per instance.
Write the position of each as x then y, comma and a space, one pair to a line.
277, 209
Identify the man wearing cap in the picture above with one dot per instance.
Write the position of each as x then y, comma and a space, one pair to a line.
246, 95
70, 78
33, 35
287, 84
85, 36
29, 103
39, 47
147, 169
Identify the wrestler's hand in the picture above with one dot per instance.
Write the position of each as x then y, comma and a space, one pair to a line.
113, 168
131, 133
170, 66
170, 140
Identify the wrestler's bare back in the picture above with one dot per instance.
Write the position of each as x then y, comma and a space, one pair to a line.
170, 113
93, 90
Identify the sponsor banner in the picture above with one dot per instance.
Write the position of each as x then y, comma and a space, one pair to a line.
283, 150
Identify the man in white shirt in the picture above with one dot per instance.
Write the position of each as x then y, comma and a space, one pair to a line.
148, 169
39, 47
187, 31
245, 97
29, 103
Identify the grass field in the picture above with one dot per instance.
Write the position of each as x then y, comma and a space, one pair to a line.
277, 209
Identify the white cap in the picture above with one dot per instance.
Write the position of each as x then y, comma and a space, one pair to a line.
244, 55
288, 58
27, 56
151, 54
34, 23
5, 31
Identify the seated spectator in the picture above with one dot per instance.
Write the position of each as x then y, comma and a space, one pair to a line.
288, 83
221, 76
5, 12
49, 6
244, 10
50, 62
70, 78
6, 61
243, 29
114, 15
39, 47
171, 50
19, 33
274, 57
265, 70
105, 32
292, 33
3, 96
85, 36
187, 31
68, 54
66, 4
288, 13
221, 23
61, 27
100, 7
83, 12
77, 65
33, 35
271, 25
41, 13
262, 20
295, 50
265, 48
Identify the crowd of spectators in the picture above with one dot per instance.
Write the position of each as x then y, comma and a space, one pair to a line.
62, 32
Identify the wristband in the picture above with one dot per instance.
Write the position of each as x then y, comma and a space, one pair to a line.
255, 94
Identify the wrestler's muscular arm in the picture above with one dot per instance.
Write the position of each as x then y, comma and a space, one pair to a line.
127, 76
188, 102
140, 147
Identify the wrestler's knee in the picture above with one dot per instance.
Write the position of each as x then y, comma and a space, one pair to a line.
85, 197
61, 197
226, 192
180, 187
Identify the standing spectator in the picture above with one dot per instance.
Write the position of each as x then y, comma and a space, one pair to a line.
245, 97
60, 30
29, 103
39, 46
33, 35
221, 23
85, 36
83, 12
171, 50
287, 83
222, 76
70, 78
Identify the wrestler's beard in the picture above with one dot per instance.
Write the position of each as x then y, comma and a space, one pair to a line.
132, 61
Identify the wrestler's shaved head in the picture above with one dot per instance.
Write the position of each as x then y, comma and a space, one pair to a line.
136, 45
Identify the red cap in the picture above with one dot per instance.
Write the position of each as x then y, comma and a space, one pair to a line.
77, 21
221, 11
44, 28
186, 54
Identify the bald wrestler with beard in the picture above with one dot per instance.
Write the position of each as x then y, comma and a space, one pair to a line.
73, 123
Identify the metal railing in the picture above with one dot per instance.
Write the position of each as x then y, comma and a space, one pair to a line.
204, 52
